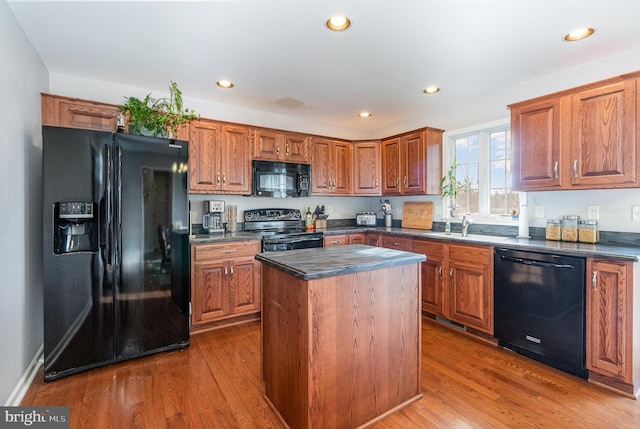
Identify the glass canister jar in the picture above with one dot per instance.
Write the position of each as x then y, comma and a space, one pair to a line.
588, 231
554, 229
570, 228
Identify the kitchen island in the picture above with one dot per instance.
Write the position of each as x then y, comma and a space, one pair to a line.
341, 334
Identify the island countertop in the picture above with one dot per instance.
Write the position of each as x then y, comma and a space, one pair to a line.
321, 262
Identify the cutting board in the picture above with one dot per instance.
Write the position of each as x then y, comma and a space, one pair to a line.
417, 215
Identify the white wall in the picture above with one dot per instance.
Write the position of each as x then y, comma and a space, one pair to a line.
23, 77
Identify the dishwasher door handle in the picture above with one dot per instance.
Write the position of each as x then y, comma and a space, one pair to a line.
536, 263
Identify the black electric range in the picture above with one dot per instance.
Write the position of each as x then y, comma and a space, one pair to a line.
281, 229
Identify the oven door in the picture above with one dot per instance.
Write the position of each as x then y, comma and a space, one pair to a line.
305, 242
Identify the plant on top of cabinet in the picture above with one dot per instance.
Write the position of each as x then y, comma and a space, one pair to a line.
157, 117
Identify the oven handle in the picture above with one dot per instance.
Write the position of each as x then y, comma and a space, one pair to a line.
299, 240
536, 263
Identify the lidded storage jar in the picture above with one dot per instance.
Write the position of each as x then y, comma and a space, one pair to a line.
588, 231
554, 229
570, 228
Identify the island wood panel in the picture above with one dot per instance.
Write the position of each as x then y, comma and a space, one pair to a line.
343, 351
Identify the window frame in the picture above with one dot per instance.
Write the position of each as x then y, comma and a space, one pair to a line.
484, 167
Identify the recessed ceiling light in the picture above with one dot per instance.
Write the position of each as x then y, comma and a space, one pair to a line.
338, 23
579, 34
364, 114
431, 90
224, 84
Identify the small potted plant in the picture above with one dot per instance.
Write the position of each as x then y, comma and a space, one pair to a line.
450, 187
157, 117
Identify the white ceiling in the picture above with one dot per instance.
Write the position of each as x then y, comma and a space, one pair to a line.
484, 54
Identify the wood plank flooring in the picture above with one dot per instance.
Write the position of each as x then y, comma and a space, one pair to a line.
216, 383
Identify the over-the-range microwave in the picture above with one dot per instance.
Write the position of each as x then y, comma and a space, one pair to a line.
281, 179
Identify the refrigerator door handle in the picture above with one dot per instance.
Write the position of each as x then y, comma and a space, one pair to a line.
107, 221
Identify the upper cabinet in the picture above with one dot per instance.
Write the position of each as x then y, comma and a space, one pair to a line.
219, 159
412, 163
367, 168
272, 145
331, 166
67, 112
585, 138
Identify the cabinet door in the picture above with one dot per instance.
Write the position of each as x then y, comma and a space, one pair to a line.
76, 113
235, 160
204, 156
470, 286
210, 292
535, 130
296, 148
358, 238
366, 168
321, 167
433, 272
266, 144
391, 167
341, 168
336, 240
243, 285
609, 318
413, 170
372, 238
603, 136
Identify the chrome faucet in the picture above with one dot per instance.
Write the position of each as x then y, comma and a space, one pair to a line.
465, 225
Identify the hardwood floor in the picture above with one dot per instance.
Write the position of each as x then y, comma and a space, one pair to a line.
216, 384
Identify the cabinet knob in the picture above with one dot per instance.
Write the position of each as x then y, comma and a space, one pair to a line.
224, 179
594, 280
218, 178
287, 151
278, 150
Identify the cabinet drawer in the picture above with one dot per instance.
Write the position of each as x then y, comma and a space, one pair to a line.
336, 240
429, 248
481, 255
235, 249
395, 242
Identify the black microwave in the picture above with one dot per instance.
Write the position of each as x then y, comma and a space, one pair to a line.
281, 179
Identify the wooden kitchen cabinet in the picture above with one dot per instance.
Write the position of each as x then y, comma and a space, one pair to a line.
331, 167
583, 138
225, 282
219, 159
273, 145
344, 239
58, 111
397, 242
433, 275
611, 340
457, 282
367, 168
412, 163
372, 238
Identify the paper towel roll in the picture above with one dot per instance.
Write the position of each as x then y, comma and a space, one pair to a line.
523, 218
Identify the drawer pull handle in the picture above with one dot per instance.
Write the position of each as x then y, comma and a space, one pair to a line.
231, 270
218, 178
575, 168
229, 251
555, 170
226, 271
440, 270
451, 273
594, 280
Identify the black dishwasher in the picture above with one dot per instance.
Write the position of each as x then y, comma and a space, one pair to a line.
540, 307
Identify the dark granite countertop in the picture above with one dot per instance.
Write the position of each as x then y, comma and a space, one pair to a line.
223, 237
321, 262
629, 253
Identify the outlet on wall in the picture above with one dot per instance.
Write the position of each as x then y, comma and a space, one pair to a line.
635, 213
539, 212
593, 212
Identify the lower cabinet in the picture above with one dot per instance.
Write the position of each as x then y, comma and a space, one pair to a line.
344, 239
457, 282
611, 339
397, 242
225, 282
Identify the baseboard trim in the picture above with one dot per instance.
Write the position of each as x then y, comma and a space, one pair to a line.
25, 381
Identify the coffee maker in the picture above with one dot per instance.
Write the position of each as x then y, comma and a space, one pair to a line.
213, 220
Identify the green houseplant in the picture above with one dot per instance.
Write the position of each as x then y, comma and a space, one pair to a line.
157, 117
450, 187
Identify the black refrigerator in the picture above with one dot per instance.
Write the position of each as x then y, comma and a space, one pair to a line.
115, 248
